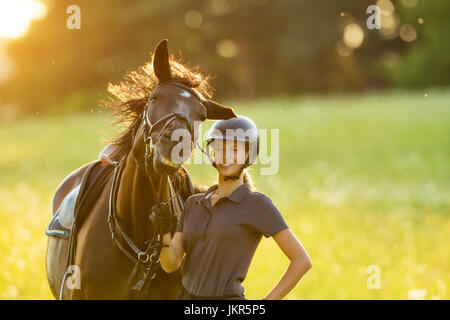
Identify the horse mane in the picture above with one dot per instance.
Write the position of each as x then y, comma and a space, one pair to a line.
129, 98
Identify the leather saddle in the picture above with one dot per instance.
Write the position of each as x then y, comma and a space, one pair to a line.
79, 200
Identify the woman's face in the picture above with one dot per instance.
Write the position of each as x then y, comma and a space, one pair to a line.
229, 156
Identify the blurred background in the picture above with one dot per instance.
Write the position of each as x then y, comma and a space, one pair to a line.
364, 120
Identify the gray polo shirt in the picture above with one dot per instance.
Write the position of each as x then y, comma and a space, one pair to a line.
220, 241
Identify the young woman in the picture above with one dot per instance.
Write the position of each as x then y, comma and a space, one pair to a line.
220, 229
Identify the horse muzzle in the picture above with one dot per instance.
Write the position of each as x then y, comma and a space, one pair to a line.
164, 164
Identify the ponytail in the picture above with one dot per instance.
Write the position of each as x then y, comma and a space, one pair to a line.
247, 179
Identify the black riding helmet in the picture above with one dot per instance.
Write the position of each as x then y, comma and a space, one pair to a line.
235, 129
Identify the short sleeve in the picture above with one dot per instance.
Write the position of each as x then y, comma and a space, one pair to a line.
181, 221
268, 220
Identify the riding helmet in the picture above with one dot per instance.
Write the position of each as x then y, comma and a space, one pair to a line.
238, 129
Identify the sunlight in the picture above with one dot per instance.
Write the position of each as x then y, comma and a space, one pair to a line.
15, 16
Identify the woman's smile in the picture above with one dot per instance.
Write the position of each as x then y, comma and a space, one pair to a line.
227, 168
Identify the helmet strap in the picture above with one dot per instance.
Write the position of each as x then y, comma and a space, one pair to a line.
236, 176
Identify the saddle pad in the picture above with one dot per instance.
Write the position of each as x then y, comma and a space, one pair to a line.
76, 203
54, 228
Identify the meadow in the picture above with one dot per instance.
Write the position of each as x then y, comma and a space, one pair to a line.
363, 180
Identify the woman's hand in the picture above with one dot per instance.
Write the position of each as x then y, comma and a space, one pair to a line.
172, 254
163, 218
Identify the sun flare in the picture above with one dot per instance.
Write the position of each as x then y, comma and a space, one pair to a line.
16, 15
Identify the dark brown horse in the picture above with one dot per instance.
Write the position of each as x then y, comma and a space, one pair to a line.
159, 89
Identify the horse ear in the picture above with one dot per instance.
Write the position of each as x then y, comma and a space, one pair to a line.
216, 111
161, 65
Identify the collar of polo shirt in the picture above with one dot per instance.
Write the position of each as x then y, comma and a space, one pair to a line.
236, 196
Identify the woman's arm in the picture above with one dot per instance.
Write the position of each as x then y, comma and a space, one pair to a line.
299, 264
171, 257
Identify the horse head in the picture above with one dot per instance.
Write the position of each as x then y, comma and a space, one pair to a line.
173, 112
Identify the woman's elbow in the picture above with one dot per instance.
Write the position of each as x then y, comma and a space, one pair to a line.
172, 266
168, 264
303, 263
308, 264
169, 268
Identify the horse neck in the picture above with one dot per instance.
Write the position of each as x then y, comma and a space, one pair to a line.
136, 198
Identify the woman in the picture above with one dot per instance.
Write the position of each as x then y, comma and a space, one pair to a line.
221, 228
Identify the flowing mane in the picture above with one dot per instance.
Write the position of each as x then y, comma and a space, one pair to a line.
130, 96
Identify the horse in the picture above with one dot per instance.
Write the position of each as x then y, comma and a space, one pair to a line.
112, 241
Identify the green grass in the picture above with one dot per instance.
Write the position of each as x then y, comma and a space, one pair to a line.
363, 180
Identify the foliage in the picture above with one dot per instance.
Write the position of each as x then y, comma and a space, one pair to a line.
253, 48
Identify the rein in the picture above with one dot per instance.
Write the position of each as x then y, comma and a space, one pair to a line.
146, 262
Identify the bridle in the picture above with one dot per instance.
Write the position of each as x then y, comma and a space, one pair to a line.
148, 127
146, 263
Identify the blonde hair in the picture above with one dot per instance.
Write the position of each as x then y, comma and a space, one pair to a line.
248, 180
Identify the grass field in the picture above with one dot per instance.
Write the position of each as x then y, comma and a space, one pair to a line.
363, 180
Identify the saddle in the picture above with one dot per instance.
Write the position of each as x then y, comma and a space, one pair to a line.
79, 200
